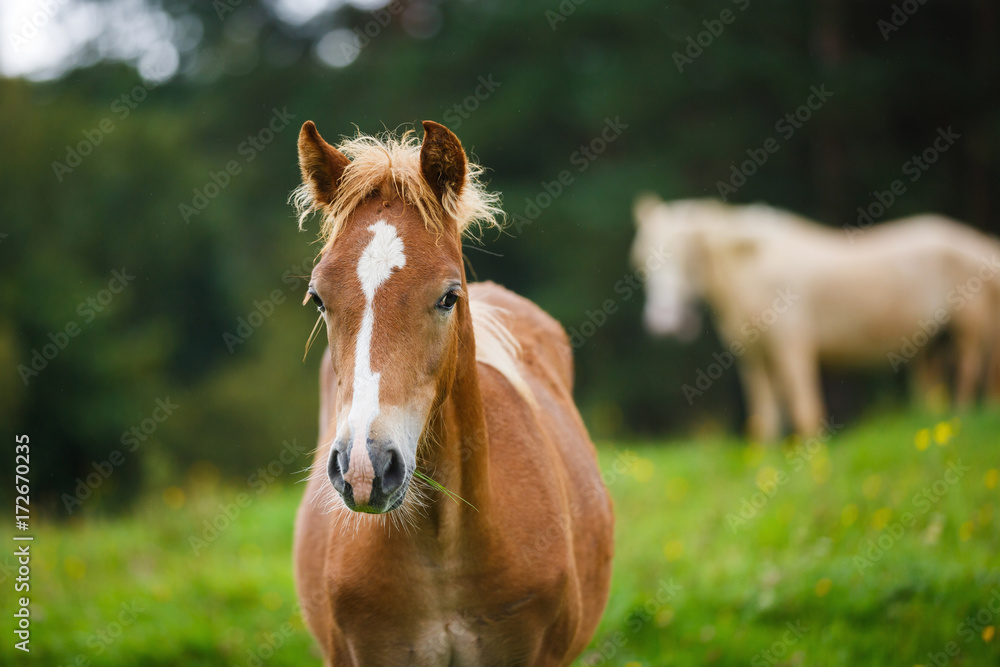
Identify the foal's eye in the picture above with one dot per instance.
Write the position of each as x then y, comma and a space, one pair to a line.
312, 296
447, 302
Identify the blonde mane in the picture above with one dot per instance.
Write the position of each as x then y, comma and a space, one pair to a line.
377, 159
496, 346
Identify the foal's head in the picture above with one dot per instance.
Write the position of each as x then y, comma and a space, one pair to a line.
390, 285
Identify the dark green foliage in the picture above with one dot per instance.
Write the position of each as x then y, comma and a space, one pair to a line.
163, 336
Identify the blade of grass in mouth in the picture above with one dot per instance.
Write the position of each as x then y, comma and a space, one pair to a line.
440, 487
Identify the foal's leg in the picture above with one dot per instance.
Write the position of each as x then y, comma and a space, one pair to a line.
763, 411
797, 368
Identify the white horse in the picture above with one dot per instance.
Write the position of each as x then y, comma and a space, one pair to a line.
788, 294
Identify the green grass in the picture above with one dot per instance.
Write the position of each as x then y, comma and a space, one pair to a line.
727, 592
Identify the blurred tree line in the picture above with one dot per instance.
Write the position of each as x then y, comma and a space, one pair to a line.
148, 257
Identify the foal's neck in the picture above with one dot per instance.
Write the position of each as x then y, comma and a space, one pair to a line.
456, 452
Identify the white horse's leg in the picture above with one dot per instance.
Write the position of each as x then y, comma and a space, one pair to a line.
972, 330
993, 380
992, 384
926, 375
763, 410
970, 368
797, 368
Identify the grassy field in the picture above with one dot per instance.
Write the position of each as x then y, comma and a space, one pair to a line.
879, 547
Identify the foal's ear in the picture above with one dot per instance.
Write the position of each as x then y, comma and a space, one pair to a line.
442, 160
322, 165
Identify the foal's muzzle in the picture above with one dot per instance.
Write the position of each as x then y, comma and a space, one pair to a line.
377, 481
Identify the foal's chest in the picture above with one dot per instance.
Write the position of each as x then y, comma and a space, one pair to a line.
454, 642
482, 624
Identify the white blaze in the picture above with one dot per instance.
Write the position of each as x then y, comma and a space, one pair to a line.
381, 256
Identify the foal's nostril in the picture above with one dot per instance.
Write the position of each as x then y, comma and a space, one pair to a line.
335, 469
394, 473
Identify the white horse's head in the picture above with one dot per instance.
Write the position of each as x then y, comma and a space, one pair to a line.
672, 289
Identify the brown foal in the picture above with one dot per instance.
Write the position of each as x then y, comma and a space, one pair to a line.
468, 385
